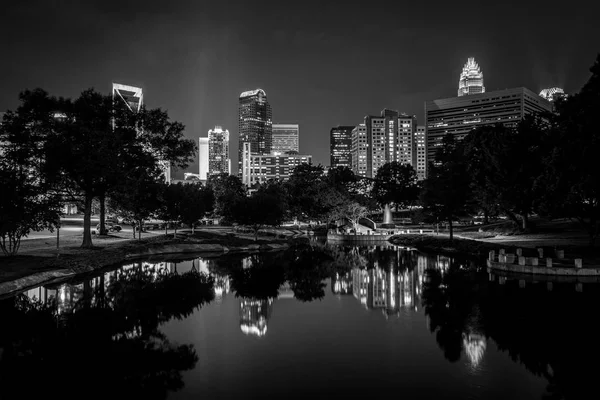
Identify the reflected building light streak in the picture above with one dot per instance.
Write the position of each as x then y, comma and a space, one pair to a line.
254, 316
475, 346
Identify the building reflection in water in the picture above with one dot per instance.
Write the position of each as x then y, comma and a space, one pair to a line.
255, 313
68, 294
474, 345
342, 284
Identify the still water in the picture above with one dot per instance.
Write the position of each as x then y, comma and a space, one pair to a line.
310, 322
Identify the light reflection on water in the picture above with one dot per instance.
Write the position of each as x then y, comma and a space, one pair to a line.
403, 309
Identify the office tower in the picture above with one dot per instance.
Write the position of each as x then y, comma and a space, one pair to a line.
407, 126
285, 138
459, 115
259, 168
471, 79
552, 94
386, 138
420, 152
254, 315
340, 146
360, 149
133, 97
254, 123
218, 151
203, 158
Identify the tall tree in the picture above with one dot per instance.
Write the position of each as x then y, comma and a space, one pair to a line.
197, 200
573, 176
266, 207
227, 189
396, 183
28, 201
446, 190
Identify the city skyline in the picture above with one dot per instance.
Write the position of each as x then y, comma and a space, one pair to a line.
197, 67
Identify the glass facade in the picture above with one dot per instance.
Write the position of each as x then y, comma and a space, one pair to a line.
254, 123
218, 151
285, 138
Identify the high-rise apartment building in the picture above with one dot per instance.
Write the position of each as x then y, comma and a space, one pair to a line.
285, 138
254, 123
382, 139
459, 115
340, 146
420, 152
133, 98
360, 149
218, 151
203, 158
471, 79
259, 168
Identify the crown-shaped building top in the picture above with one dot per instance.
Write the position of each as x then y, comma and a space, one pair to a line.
471, 79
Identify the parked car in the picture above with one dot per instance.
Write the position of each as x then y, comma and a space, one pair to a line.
111, 227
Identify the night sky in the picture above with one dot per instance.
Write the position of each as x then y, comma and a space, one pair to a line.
321, 63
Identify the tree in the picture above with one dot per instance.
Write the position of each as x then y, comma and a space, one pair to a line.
28, 202
354, 211
303, 188
266, 207
446, 191
573, 177
139, 197
227, 189
197, 200
396, 183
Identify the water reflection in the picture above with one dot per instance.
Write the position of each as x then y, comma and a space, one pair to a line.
116, 317
102, 333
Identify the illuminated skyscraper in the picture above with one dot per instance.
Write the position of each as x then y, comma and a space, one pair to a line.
382, 139
340, 146
254, 123
218, 151
359, 150
285, 138
471, 79
133, 97
203, 158
420, 152
552, 94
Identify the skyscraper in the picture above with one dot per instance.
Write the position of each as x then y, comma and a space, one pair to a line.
471, 79
459, 115
133, 97
203, 158
218, 151
340, 146
384, 138
359, 150
420, 152
552, 94
285, 138
255, 124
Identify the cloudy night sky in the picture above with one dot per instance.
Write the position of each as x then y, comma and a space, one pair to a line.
320, 63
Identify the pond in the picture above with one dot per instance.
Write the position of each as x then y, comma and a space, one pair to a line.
314, 321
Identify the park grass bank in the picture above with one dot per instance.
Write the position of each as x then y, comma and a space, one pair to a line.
22, 272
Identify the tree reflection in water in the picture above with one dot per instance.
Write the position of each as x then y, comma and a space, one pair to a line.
109, 345
551, 332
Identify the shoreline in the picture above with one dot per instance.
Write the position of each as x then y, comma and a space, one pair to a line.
74, 262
